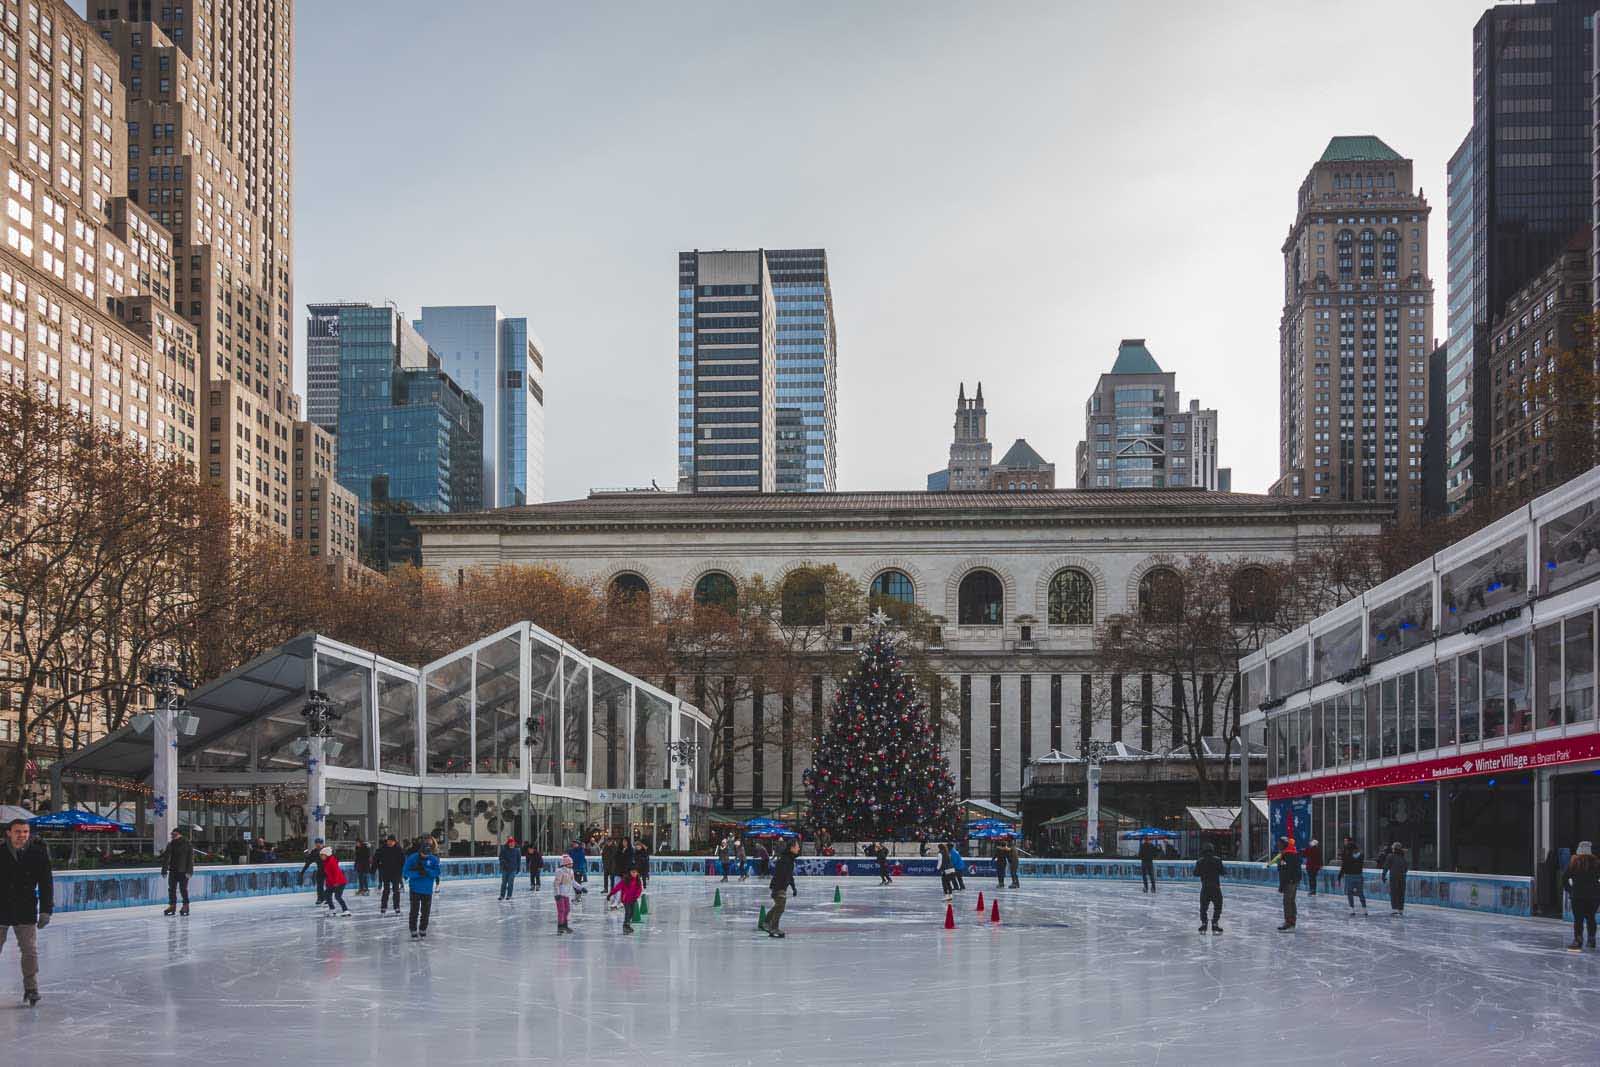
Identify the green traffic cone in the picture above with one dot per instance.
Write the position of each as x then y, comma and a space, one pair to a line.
837, 898
761, 922
644, 906
717, 903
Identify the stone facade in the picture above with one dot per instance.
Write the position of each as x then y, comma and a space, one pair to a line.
1019, 682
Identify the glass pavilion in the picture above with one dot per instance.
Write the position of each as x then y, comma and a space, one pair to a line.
516, 734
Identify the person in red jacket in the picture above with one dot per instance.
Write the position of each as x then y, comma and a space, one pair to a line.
1313, 863
335, 881
629, 889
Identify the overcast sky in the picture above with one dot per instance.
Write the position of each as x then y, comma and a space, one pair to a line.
1004, 191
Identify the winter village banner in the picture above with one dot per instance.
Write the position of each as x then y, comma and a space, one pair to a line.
1496, 761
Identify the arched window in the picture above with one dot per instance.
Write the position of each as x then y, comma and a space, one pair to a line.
1071, 599
629, 586
1161, 595
1344, 246
890, 589
804, 600
1369, 253
1252, 596
716, 589
981, 601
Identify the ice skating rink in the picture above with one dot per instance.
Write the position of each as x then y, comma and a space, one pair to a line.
1082, 971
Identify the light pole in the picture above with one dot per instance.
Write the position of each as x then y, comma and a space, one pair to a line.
1093, 753
169, 720
321, 715
683, 753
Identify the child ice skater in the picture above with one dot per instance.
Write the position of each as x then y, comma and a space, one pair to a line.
628, 889
565, 890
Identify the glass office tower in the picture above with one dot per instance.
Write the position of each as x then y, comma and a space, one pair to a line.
807, 370
410, 438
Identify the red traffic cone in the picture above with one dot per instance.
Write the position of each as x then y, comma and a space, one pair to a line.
994, 912
980, 900
949, 916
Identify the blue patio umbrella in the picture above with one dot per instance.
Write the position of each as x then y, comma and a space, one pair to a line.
1148, 831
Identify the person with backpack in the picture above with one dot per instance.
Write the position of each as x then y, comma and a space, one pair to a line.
389, 861
1353, 874
1208, 868
422, 874
1582, 883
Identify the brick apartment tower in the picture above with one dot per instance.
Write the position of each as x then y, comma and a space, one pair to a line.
1356, 332
208, 152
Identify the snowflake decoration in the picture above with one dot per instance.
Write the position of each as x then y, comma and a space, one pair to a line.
159, 806
319, 813
311, 765
879, 618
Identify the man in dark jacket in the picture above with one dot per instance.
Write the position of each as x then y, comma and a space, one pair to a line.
1000, 852
881, 853
389, 861
782, 878
1395, 867
177, 863
1147, 864
1288, 880
533, 860
1209, 870
363, 867
313, 863
1352, 871
1013, 857
609, 851
27, 897
641, 860
510, 864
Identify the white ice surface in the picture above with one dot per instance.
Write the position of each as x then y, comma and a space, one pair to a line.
1097, 972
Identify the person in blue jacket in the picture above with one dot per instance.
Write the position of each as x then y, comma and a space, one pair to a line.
510, 864
580, 869
959, 870
422, 877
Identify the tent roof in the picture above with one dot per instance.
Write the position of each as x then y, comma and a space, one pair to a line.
1082, 814
1214, 818
993, 809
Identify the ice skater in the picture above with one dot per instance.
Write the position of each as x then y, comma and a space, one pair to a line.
27, 897
1147, 865
958, 864
564, 888
742, 859
313, 864
1000, 852
334, 881
389, 861
363, 867
609, 849
641, 861
1582, 882
1353, 873
1313, 865
1395, 867
177, 863
724, 856
422, 875
947, 872
510, 865
1012, 860
882, 854
628, 890
1289, 869
782, 880
535, 861
580, 870
1209, 870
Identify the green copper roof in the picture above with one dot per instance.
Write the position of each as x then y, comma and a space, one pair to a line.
1355, 149
1021, 455
1134, 358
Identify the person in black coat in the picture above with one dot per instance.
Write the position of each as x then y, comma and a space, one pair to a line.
1209, 870
641, 861
533, 859
510, 862
1288, 881
782, 879
1395, 866
882, 855
314, 865
27, 899
389, 861
177, 863
1013, 860
363, 867
1147, 865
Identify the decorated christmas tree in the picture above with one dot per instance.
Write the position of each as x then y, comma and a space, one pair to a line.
878, 773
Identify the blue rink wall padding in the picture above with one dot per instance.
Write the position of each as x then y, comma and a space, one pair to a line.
90, 890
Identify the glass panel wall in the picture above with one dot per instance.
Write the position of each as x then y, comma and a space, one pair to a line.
1401, 624
1316, 737
1373, 733
1408, 713
1390, 717
1519, 707
1287, 671
1330, 733
575, 723
398, 812
397, 724
1467, 696
1485, 584
449, 717
1494, 690
1569, 548
1547, 674
348, 687
1337, 651
1445, 679
609, 737
544, 710
652, 716
1427, 710
1578, 667
702, 762
276, 736
497, 739
347, 815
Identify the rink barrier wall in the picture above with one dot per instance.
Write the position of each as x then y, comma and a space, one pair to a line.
96, 889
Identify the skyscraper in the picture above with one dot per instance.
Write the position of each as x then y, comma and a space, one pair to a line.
1520, 188
497, 360
971, 454
1136, 433
1356, 331
209, 150
410, 438
744, 317
322, 364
